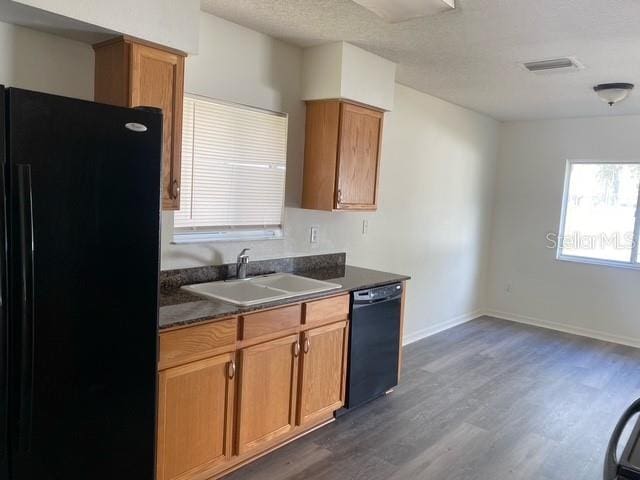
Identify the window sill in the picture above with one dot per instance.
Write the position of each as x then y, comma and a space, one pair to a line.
600, 263
180, 238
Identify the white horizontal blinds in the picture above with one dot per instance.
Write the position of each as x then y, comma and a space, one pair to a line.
233, 167
187, 163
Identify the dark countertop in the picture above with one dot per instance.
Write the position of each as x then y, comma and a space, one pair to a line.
180, 308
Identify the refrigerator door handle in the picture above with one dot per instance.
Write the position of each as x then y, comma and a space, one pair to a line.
26, 247
4, 327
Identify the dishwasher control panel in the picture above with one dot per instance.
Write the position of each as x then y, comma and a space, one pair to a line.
377, 293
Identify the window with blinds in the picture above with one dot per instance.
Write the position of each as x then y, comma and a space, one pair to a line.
233, 172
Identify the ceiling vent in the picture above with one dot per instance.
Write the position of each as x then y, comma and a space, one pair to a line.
556, 65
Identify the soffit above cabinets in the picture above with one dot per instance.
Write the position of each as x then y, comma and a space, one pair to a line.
36, 19
395, 11
341, 70
167, 22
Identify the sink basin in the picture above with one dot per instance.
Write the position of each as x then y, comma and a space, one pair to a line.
267, 288
293, 283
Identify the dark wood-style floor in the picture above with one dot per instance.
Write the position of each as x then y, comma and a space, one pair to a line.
488, 400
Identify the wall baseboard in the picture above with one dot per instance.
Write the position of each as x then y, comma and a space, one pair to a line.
524, 319
441, 326
562, 327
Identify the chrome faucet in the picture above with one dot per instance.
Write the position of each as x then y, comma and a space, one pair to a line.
242, 263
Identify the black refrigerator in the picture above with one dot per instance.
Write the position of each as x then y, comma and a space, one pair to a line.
79, 266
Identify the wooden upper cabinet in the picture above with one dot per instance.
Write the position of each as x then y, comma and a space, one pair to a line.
267, 392
323, 372
132, 73
342, 156
157, 80
360, 130
195, 417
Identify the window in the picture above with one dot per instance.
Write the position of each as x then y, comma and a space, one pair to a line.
233, 172
600, 222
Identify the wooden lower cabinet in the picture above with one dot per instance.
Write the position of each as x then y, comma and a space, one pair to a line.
323, 372
283, 377
266, 392
195, 417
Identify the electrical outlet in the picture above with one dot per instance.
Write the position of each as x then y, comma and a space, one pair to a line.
508, 288
365, 226
313, 237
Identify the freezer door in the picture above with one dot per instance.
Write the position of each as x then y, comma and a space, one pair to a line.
4, 324
84, 210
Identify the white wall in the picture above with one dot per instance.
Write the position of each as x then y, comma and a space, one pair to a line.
167, 22
43, 62
436, 195
239, 65
593, 300
436, 181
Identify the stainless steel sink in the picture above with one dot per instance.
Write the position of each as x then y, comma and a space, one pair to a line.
267, 288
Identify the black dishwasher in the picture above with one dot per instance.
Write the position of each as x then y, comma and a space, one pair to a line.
374, 343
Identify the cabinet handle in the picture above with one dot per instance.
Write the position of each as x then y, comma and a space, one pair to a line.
175, 189
296, 349
339, 196
232, 369
307, 345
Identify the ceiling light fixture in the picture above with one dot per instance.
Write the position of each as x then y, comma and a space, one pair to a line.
395, 11
613, 93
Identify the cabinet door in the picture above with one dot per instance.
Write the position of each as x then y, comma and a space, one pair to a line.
157, 80
321, 155
267, 392
195, 417
360, 133
324, 368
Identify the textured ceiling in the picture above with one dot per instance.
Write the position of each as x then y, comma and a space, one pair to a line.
471, 56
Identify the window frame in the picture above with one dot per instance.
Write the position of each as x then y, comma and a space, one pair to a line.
633, 263
193, 235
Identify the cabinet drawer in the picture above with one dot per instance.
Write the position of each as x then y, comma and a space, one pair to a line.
195, 343
326, 311
272, 321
